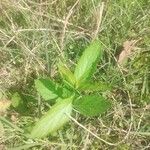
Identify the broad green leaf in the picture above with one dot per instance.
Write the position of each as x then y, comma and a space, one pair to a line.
95, 86
92, 105
87, 63
54, 119
47, 89
66, 73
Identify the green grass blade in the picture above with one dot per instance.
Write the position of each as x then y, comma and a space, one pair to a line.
25, 147
8, 123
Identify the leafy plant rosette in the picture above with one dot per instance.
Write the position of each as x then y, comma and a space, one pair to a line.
73, 93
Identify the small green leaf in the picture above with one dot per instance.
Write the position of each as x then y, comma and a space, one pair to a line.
87, 63
16, 100
54, 119
92, 105
47, 89
66, 73
18, 103
95, 86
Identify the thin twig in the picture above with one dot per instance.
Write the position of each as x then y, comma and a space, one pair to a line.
90, 131
99, 14
65, 24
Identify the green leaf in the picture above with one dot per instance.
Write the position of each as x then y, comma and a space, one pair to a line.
54, 119
47, 89
16, 100
95, 86
92, 105
66, 73
18, 103
87, 63
67, 92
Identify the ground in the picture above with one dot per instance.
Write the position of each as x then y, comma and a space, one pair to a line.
34, 34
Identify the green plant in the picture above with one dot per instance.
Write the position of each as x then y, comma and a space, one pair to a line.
76, 91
